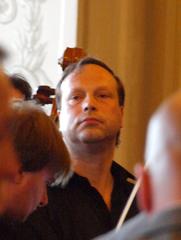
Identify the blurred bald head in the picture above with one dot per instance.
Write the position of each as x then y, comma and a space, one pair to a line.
163, 154
164, 131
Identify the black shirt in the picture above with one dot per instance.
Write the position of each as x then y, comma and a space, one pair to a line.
7, 229
78, 211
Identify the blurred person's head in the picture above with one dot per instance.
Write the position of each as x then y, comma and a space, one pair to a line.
6, 149
40, 158
161, 178
21, 89
5, 95
8, 156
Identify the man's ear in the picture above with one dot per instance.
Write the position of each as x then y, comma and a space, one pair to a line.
121, 116
144, 198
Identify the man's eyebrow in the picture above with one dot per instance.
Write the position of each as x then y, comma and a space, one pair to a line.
102, 89
76, 89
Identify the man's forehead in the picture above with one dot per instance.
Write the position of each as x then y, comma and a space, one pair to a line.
93, 68
88, 74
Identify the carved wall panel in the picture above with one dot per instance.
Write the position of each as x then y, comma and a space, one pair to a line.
31, 31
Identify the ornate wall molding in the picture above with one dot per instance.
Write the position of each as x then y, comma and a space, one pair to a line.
8, 11
31, 49
32, 30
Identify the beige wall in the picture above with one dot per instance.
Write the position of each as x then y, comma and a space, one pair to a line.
141, 41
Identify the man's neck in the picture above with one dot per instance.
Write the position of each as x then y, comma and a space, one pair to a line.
94, 163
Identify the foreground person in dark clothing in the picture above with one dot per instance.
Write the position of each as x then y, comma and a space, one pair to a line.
91, 101
35, 155
159, 194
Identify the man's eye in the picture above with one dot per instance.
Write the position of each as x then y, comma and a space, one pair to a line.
76, 97
103, 95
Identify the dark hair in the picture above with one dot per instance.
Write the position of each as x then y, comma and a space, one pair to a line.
37, 140
21, 84
77, 66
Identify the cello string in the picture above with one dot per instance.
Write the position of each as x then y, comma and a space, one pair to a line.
130, 200
128, 204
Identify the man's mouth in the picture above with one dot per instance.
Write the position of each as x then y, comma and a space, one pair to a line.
90, 121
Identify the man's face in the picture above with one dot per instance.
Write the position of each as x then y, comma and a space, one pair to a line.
24, 193
90, 110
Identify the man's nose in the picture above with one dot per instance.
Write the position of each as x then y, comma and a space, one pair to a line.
44, 199
89, 104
